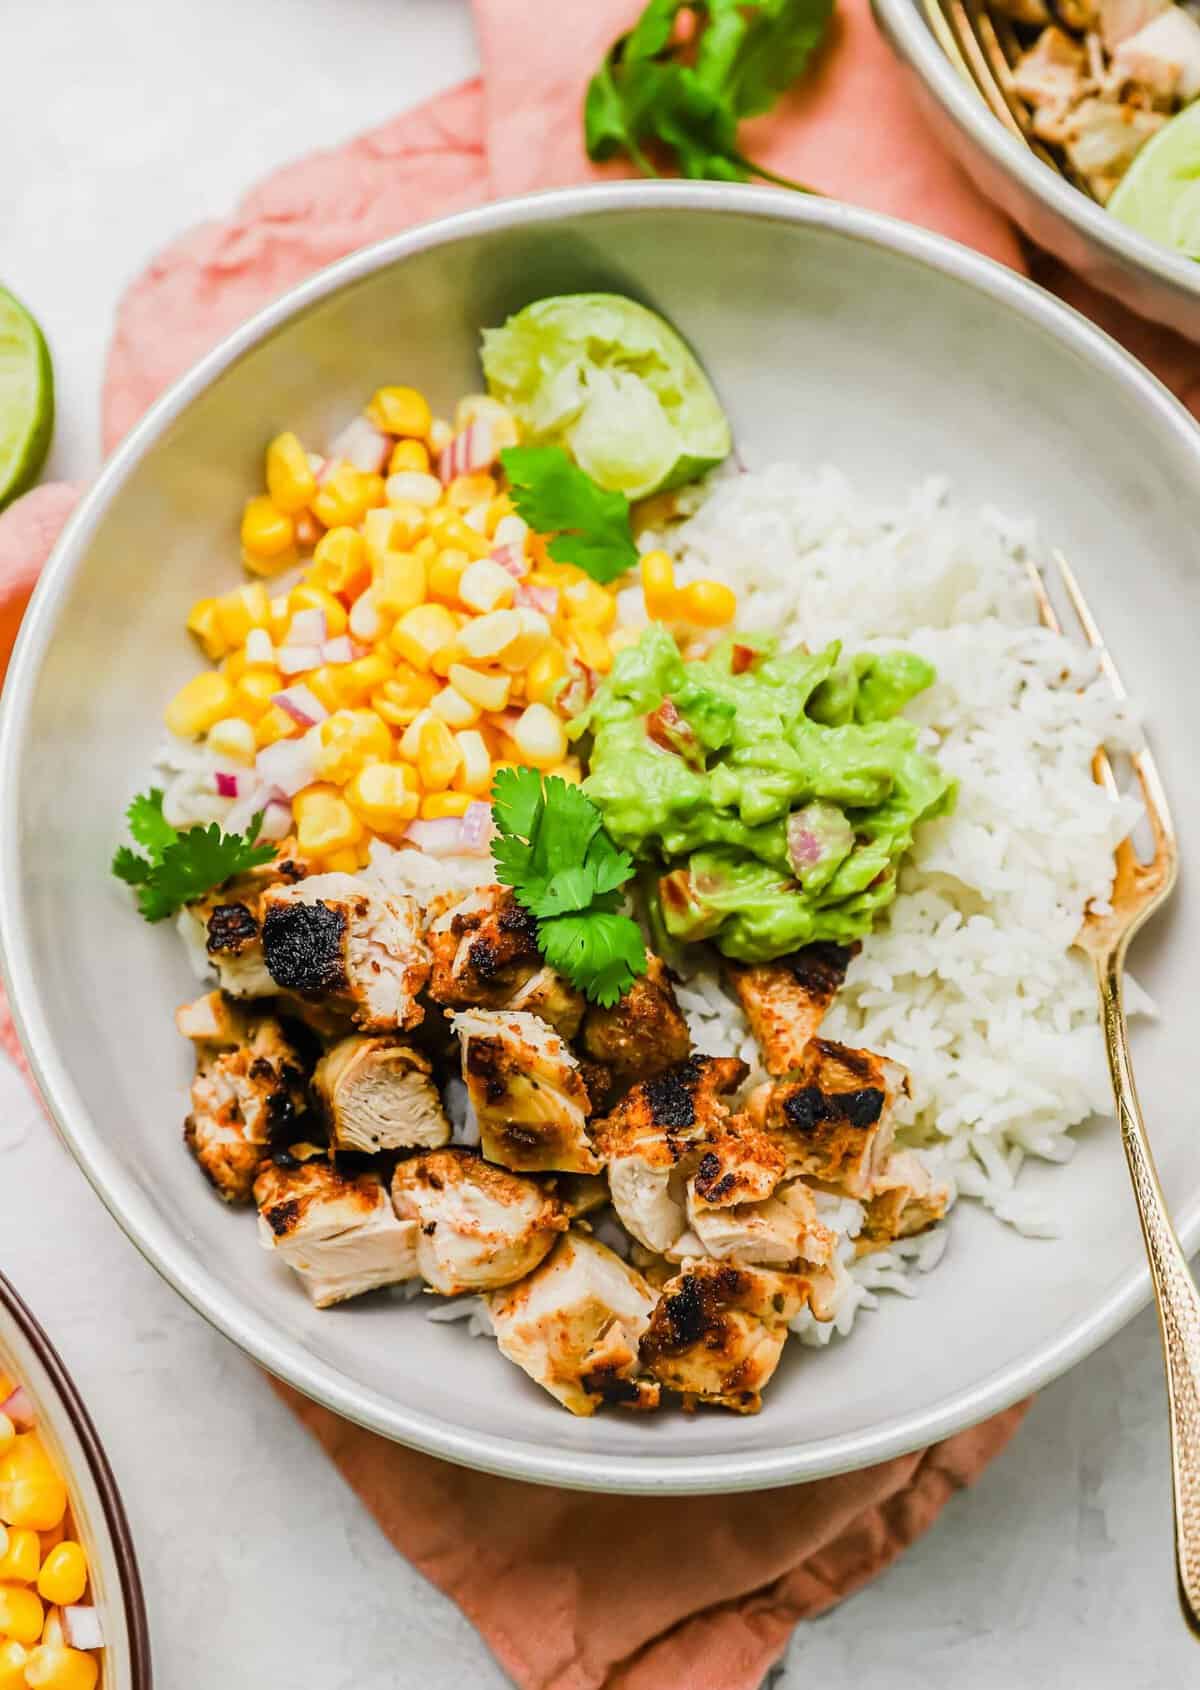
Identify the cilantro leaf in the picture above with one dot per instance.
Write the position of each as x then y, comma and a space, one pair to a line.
181, 866
600, 952
590, 524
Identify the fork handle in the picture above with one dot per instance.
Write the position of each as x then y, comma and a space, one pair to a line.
1174, 1292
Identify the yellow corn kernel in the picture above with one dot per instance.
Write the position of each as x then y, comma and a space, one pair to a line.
356, 680
13, 1659
426, 549
38, 1500
21, 1613
384, 796
409, 457
591, 648
488, 691
374, 490
234, 666
267, 531
274, 723
232, 739
449, 529
587, 603
437, 754
439, 805
324, 821
392, 528
468, 490
309, 597
22, 1557
281, 618
63, 1578
205, 623
401, 583
474, 776
347, 741
710, 604
290, 481
254, 691
445, 574
529, 644
545, 675
401, 701
53, 1666
570, 770
498, 508
199, 703
343, 498
421, 632
454, 709
400, 410
540, 736
411, 487
488, 636
325, 684
244, 608
339, 563
658, 583
486, 586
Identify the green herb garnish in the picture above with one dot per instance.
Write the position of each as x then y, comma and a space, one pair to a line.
180, 866
686, 94
554, 496
565, 870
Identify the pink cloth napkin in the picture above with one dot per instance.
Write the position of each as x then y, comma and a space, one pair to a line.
579, 1592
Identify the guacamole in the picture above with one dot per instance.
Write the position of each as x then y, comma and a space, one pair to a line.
779, 790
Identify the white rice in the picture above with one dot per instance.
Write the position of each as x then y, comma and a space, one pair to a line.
970, 979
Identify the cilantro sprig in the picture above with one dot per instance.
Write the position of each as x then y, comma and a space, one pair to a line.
685, 93
589, 523
565, 870
179, 866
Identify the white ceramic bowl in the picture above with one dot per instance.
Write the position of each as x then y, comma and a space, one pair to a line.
1149, 278
832, 335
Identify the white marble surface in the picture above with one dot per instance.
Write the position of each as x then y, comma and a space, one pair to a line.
121, 123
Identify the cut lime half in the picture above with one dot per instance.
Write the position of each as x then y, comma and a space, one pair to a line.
26, 399
1159, 195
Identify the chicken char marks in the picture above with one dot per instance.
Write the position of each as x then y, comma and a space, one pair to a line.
785, 1001
833, 1116
485, 955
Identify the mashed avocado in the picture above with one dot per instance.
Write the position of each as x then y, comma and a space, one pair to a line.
780, 790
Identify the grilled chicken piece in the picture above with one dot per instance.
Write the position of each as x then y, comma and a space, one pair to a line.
581, 1194
485, 956
653, 1139
1101, 139
1120, 19
574, 1326
905, 1199
337, 1231
833, 1117
1163, 57
527, 1090
478, 1227
644, 1032
554, 1000
780, 1231
249, 1087
378, 1095
338, 937
231, 918
785, 1001
717, 1332
1053, 71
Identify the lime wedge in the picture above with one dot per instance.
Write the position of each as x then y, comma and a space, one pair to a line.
1159, 195
26, 399
612, 383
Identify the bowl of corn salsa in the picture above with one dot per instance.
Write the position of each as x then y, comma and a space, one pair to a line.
72, 1615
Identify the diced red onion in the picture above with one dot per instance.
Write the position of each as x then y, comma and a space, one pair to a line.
277, 819
804, 848
544, 599
18, 1405
472, 448
816, 832
341, 650
289, 764
476, 829
308, 627
441, 838
513, 559
295, 659
81, 1627
227, 784
360, 443
301, 705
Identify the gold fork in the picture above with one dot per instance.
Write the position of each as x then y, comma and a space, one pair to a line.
1139, 888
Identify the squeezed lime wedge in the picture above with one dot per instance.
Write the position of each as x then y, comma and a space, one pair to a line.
612, 383
26, 399
1159, 195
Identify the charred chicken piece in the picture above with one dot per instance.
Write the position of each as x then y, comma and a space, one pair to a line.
339, 937
785, 1001
478, 1227
642, 1034
231, 918
833, 1117
337, 1231
554, 1000
780, 1231
485, 955
378, 1094
528, 1092
249, 1089
905, 1199
574, 1326
653, 1138
717, 1332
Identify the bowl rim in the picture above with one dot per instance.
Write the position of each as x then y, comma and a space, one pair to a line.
904, 22
67, 1393
233, 1316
